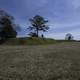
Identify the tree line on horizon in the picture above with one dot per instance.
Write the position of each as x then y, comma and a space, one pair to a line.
8, 28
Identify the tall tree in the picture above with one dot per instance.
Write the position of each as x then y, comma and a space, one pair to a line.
6, 26
38, 23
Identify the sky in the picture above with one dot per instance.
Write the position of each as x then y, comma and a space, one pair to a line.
63, 15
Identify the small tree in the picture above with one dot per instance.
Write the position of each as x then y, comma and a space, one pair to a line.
38, 24
32, 34
69, 36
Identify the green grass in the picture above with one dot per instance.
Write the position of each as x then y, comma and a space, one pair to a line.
41, 62
33, 41
29, 41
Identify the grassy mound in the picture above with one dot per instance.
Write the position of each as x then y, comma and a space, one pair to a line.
33, 41
29, 41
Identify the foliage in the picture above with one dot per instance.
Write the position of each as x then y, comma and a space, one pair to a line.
69, 36
38, 24
7, 27
32, 34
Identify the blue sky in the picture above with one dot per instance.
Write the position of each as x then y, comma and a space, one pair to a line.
63, 15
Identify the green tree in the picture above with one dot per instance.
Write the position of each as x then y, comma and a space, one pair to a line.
69, 36
38, 23
7, 27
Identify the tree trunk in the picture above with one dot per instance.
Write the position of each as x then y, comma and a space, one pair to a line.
37, 33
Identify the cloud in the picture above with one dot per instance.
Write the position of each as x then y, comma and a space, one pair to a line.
76, 4
75, 33
42, 3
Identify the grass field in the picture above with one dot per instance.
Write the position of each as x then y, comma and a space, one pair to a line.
33, 41
45, 62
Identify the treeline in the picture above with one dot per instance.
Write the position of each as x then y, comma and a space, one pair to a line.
8, 28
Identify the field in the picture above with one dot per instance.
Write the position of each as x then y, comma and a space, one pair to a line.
60, 61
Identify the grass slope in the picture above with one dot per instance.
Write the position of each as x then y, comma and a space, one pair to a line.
33, 41
29, 41
45, 62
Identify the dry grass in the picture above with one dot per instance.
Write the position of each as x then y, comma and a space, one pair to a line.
49, 62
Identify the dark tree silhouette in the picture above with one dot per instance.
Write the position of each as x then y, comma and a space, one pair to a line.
38, 24
32, 34
6, 26
69, 36
42, 36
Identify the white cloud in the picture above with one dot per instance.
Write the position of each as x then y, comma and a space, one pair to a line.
61, 35
76, 4
42, 3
